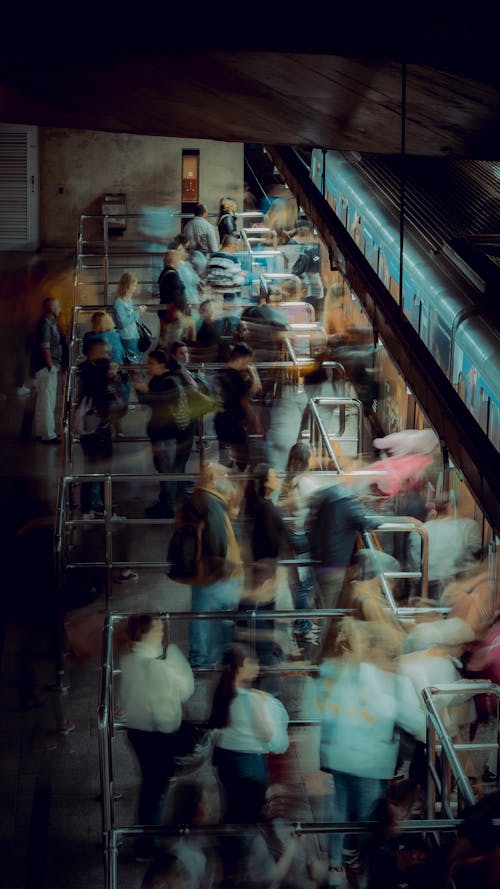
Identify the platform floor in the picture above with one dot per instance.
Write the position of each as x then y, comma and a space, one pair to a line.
50, 816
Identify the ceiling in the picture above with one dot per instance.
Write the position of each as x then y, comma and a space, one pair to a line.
291, 83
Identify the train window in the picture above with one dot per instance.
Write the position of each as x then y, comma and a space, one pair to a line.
393, 287
461, 385
424, 324
382, 269
344, 211
357, 233
484, 403
494, 430
331, 201
375, 256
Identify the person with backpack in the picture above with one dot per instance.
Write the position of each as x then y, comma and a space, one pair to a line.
203, 552
172, 422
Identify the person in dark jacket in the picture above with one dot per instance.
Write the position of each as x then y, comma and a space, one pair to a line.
227, 221
176, 404
172, 291
213, 499
100, 381
234, 387
335, 517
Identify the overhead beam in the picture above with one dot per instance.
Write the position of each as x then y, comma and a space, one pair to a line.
469, 447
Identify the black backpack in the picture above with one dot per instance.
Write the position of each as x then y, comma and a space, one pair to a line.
308, 261
185, 548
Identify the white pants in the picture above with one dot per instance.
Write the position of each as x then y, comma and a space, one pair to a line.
46, 396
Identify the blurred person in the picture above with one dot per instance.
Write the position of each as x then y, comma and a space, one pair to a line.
126, 317
103, 328
201, 232
208, 339
296, 491
47, 361
188, 272
266, 325
220, 581
234, 387
190, 809
154, 685
100, 382
408, 441
172, 291
335, 517
355, 350
224, 273
248, 727
454, 545
249, 199
176, 404
474, 857
307, 265
227, 219
361, 699
245, 719
167, 871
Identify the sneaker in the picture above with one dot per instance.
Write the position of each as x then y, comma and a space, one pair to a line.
88, 515
337, 877
23, 390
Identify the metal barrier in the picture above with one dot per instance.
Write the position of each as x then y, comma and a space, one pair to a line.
439, 742
450, 764
312, 425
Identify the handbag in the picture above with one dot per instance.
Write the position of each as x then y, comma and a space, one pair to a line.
145, 336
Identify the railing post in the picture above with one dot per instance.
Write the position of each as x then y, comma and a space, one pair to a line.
108, 525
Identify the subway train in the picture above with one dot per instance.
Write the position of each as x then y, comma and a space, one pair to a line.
444, 298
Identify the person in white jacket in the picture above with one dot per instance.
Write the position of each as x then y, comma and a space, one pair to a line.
361, 700
153, 688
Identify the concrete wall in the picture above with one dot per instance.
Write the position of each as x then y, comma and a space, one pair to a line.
77, 167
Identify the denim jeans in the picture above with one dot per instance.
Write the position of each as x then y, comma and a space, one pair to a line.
208, 639
170, 455
354, 800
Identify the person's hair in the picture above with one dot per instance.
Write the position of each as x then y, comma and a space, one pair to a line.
199, 209
255, 490
102, 322
241, 350
159, 355
170, 256
229, 241
177, 344
125, 284
225, 691
139, 625
298, 458
166, 866
224, 204
178, 241
47, 303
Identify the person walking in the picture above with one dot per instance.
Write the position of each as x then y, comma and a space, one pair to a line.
154, 685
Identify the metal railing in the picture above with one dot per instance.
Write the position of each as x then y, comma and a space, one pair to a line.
450, 764
312, 425
443, 762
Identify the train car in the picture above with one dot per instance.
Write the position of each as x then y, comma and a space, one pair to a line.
447, 307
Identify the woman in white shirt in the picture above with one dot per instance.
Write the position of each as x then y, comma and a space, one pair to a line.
245, 718
153, 688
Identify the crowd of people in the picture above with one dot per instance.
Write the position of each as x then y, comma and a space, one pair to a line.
371, 668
